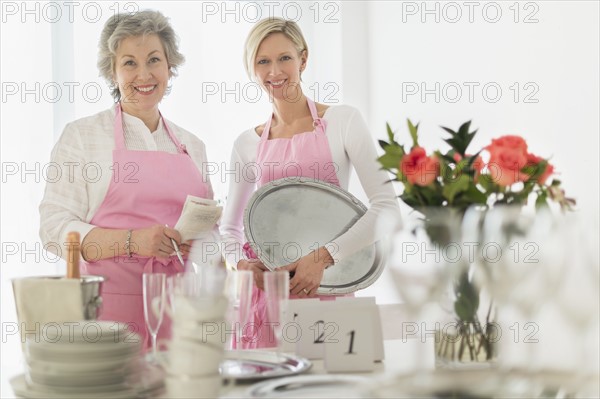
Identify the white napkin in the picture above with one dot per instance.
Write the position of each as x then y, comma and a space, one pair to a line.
42, 300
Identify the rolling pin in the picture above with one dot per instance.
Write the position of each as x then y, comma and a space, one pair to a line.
73, 255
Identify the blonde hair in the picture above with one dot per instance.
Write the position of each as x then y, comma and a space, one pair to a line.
122, 26
267, 27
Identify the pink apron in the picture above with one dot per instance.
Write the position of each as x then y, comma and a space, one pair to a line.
147, 188
304, 155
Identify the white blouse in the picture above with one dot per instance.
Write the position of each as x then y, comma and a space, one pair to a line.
81, 169
351, 145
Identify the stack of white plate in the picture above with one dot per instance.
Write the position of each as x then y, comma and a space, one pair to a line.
88, 358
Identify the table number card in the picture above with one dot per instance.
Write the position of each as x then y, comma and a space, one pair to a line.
320, 327
292, 330
375, 321
353, 350
316, 331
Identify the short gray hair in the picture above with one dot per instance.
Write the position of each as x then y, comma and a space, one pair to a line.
122, 26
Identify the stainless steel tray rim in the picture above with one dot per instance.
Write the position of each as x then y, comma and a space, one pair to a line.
380, 248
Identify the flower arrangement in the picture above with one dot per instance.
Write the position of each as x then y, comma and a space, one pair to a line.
458, 179
503, 172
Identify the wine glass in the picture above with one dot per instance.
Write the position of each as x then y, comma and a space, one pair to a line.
577, 299
277, 291
523, 257
238, 290
418, 266
154, 293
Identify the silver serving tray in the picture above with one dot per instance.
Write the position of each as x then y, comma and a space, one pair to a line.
288, 218
249, 365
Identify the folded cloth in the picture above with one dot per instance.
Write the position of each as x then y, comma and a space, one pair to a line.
42, 300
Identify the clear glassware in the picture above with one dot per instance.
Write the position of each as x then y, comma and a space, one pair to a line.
523, 257
277, 291
238, 290
154, 296
420, 269
578, 297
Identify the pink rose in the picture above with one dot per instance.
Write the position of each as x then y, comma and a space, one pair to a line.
505, 166
507, 142
508, 155
418, 168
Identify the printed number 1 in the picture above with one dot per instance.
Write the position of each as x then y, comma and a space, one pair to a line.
350, 349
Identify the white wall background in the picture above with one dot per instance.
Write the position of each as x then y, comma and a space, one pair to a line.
367, 54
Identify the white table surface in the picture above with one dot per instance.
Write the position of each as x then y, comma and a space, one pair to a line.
399, 355
400, 352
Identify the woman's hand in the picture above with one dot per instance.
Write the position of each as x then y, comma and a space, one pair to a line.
156, 241
257, 268
308, 271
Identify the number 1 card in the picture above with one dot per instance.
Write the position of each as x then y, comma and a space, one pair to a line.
353, 350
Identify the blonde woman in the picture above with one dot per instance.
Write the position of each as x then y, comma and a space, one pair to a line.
322, 142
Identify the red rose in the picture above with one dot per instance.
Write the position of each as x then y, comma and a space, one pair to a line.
505, 166
534, 160
508, 155
418, 168
507, 142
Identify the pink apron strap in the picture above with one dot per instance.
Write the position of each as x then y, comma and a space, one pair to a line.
265, 134
318, 123
180, 147
120, 134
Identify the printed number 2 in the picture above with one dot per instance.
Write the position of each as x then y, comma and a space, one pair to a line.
324, 332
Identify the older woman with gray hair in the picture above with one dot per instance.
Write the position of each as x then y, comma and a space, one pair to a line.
127, 170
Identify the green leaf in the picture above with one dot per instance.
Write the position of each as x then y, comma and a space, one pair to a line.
542, 200
485, 181
402, 178
451, 189
390, 133
474, 195
459, 141
467, 298
413, 133
389, 161
383, 144
447, 157
473, 159
535, 171
410, 200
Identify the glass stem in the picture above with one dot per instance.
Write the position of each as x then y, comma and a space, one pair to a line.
154, 349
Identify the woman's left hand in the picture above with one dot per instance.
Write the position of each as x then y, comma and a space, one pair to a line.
308, 272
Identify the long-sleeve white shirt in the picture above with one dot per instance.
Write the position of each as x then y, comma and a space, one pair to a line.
80, 170
351, 145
